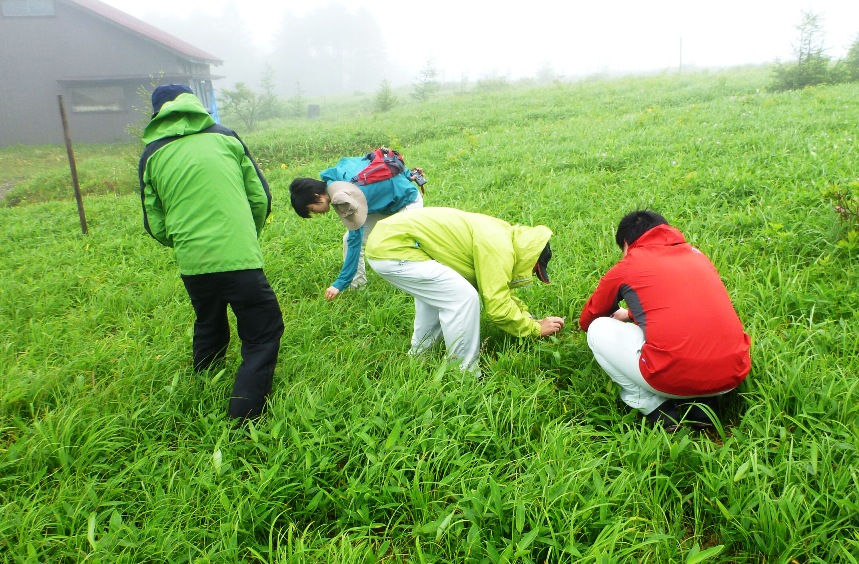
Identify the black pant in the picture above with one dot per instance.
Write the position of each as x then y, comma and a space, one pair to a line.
259, 324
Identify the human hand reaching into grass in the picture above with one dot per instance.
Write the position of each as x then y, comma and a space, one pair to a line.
551, 325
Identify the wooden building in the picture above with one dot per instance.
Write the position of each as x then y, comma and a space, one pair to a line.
98, 58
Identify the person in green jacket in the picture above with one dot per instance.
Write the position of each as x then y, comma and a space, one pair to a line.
451, 261
204, 196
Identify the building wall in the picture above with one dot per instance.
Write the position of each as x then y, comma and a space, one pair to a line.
78, 55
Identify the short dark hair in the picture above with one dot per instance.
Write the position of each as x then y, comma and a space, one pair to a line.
303, 192
635, 224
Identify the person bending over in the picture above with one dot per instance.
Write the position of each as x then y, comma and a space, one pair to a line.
450, 261
359, 208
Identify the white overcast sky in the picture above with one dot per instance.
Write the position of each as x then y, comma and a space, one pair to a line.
478, 38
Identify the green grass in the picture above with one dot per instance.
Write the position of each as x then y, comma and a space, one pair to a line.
113, 450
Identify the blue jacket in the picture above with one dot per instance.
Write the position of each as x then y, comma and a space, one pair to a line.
386, 197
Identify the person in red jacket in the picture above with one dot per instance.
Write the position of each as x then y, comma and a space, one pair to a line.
678, 344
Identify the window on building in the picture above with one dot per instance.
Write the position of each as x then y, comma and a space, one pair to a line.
98, 99
27, 8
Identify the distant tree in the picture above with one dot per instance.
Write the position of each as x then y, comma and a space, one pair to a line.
385, 97
221, 32
463, 83
812, 64
546, 74
491, 83
330, 50
243, 103
811, 39
269, 103
851, 62
426, 85
296, 103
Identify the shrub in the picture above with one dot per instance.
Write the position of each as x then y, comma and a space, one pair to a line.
243, 103
850, 63
426, 85
846, 205
385, 97
812, 64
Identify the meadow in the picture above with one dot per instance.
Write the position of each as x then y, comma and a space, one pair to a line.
113, 450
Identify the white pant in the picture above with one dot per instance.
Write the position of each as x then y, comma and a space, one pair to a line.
617, 347
360, 278
445, 305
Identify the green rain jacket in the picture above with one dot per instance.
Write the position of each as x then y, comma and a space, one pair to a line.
202, 193
494, 256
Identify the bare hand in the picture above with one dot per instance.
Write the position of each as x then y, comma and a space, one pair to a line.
331, 293
551, 325
621, 314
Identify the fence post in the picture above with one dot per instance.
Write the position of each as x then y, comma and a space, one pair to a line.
72, 165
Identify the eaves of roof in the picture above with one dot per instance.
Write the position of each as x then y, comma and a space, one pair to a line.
147, 31
134, 78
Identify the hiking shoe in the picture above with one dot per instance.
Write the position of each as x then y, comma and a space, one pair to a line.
665, 416
692, 411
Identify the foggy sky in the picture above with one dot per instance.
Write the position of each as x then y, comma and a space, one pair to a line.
471, 40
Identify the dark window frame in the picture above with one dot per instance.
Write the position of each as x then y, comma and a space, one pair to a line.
98, 98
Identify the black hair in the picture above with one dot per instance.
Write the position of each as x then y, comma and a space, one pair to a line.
635, 224
303, 192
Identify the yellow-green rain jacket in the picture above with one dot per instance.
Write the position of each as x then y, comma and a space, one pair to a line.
493, 255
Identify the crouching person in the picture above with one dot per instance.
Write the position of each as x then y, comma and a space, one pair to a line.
204, 196
451, 261
679, 344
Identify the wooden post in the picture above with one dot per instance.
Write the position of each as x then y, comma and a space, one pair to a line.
72, 165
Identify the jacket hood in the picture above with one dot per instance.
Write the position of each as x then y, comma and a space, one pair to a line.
659, 236
182, 116
528, 243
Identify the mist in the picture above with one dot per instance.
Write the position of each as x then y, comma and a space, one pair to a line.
326, 51
347, 46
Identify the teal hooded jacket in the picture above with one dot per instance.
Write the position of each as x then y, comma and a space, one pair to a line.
202, 193
386, 197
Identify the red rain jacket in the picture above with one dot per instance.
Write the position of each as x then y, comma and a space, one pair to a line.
694, 342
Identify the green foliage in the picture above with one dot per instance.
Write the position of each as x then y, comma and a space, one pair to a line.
113, 450
144, 106
269, 104
40, 174
851, 62
846, 205
426, 85
242, 103
812, 64
491, 84
295, 105
809, 72
385, 97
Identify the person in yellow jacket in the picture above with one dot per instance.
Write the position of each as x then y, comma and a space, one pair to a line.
451, 261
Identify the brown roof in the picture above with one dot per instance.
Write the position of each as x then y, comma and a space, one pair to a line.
146, 30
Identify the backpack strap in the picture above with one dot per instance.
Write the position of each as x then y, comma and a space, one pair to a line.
153, 147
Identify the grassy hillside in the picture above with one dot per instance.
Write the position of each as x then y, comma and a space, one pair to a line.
113, 450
